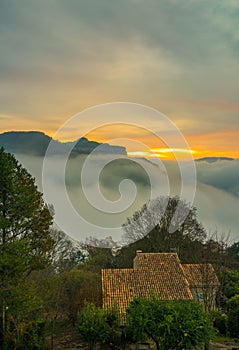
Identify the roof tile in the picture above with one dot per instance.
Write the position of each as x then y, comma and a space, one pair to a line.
157, 273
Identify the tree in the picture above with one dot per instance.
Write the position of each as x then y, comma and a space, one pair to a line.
67, 253
79, 286
98, 259
93, 325
165, 213
25, 240
170, 324
233, 252
149, 230
219, 321
51, 292
231, 283
24, 217
23, 317
233, 316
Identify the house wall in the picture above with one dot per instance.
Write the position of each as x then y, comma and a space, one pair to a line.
205, 296
136, 264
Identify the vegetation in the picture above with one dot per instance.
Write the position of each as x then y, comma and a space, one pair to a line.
38, 294
93, 325
219, 321
231, 283
170, 324
233, 317
168, 216
25, 244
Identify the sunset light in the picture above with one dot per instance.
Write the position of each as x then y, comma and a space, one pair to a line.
165, 153
119, 144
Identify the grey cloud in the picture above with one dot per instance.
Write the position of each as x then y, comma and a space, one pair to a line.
74, 30
218, 211
221, 174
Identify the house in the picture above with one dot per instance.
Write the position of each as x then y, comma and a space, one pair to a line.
161, 274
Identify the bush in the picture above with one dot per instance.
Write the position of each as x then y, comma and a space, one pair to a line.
233, 317
219, 321
171, 324
31, 336
98, 325
113, 320
93, 326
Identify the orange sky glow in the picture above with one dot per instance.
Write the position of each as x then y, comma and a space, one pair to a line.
218, 144
143, 143
160, 57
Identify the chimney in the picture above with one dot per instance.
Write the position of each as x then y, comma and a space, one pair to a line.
136, 263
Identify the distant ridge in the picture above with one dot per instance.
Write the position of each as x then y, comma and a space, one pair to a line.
213, 159
29, 142
36, 143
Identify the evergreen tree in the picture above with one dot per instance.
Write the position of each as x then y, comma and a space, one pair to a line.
25, 240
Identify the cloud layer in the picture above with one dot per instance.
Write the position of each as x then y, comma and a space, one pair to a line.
216, 196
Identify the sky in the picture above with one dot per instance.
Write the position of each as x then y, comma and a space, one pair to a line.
180, 57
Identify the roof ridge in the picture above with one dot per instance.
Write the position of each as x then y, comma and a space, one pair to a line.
168, 253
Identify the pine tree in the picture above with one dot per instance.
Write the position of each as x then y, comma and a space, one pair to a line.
25, 220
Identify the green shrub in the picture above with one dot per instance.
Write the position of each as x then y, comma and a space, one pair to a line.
233, 317
93, 326
219, 321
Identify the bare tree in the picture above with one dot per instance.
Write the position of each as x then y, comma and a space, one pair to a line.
159, 216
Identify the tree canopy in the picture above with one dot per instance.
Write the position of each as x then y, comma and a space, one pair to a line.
149, 229
164, 213
25, 220
233, 316
93, 325
24, 217
170, 324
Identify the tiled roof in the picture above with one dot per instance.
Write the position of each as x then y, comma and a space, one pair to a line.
160, 274
153, 260
118, 288
200, 275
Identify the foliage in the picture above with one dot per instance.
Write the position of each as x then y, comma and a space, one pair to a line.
233, 317
233, 252
99, 258
24, 217
98, 325
67, 253
149, 229
21, 317
219, 321
25, 240
165, 213
93, 325
231, 283
30, 298
33, 336
113, 320
170, 324
50, 290
79, 286
64, 294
